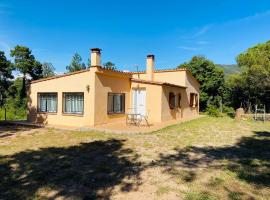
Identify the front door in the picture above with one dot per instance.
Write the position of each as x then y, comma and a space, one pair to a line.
139, 101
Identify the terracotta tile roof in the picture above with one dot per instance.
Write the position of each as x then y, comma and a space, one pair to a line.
77, 72
105, 69
60, 76
113, 70
155, 83
162, 70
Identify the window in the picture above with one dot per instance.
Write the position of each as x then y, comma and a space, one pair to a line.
47, 102
179, 100
193, 99
73, 103
171, 100
116, 103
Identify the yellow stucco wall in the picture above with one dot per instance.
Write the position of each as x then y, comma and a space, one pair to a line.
153, 100
73, 83
106, 82
167, 113
173, 77
100, 82
192, 87
182, 78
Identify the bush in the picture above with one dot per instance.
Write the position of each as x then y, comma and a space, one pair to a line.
13, 114
213, 111
229, 111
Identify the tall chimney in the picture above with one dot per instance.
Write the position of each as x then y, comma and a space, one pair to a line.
95, 57
150, 64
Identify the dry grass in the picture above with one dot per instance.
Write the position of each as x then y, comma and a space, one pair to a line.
203, 159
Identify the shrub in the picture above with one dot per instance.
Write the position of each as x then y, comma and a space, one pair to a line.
213, 111
13, 113
229, 111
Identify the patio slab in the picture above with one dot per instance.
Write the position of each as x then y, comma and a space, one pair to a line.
118, 127
121, 126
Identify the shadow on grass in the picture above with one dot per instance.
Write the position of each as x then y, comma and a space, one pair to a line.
87, 171
249, 158
8, 129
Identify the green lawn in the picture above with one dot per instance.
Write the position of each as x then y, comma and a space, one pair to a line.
204, 159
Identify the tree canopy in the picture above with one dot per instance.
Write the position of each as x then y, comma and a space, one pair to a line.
76, 64
210, 77
252, 86
5, 76
47, 69
109, 65
25, 62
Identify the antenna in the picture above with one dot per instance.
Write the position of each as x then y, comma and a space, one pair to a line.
137, 69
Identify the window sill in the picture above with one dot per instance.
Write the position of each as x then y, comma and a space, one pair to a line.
71, 114
122, 113
47, 113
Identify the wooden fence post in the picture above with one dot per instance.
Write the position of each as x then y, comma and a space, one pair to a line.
5, 114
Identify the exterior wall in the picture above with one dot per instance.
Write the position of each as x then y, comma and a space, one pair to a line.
173, 77
106, 82
176, 113
153, 100
97, 83
192, 87
183, 78
74, 83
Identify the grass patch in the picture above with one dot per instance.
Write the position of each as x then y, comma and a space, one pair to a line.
235, 195
215, 181
161, 190
212, 157
199, 196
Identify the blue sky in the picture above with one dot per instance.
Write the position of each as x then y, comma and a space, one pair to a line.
127, 31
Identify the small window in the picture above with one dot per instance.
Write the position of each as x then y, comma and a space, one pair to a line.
47, 102
193, 99
73, 103
179, 100
171, 100
116, 103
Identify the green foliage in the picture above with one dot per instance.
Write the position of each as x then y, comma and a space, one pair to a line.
213, 111
76, 64
109, 65
252, 86
15, 100
199, 196
47, 70
25, 62
5, 76
229, 69
13, 113
210, 77
229, 111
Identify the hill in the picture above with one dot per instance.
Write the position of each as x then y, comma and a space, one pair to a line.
230, 69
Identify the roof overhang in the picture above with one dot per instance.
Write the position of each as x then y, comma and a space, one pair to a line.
156, 83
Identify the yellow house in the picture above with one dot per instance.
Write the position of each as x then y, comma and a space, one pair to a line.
97, 95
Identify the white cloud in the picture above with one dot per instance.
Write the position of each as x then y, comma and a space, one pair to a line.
251, 17
203, 30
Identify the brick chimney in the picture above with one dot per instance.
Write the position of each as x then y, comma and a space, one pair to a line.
150, 64
95, 57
